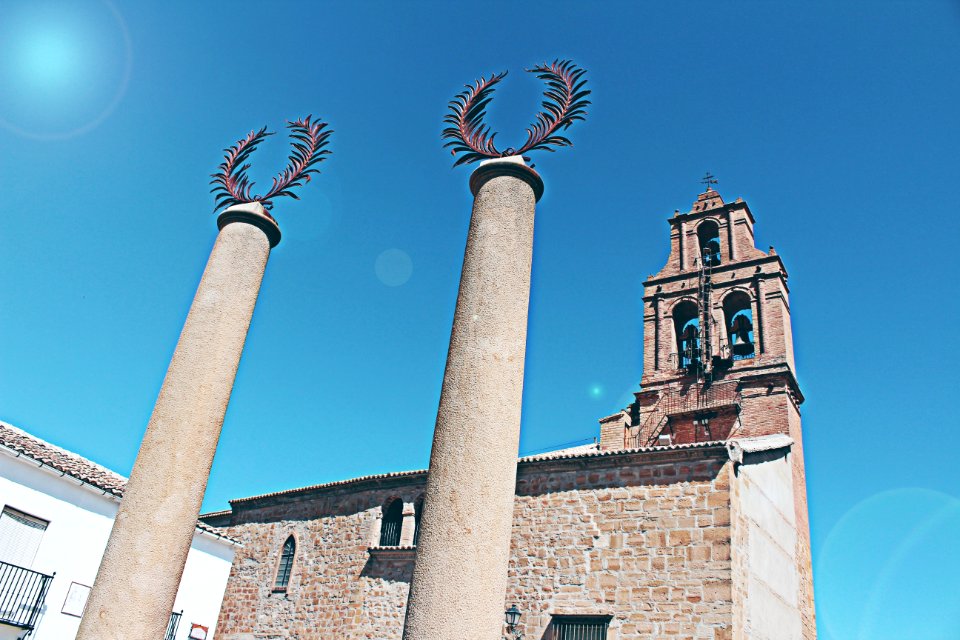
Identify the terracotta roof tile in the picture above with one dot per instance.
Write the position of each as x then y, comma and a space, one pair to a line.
583, 451
20, 443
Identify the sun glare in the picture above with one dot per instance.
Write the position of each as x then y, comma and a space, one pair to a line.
49, 59
64, 66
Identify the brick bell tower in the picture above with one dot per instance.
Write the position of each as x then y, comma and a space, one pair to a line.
718, 361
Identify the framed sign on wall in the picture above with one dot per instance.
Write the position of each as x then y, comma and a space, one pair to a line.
198, 632
76, 599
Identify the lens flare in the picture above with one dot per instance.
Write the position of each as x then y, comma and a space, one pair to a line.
885, 572
64, 66
393, 267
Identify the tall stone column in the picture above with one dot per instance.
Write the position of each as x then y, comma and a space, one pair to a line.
460, 577
135, 588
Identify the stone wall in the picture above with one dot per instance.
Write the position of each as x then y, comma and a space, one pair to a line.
647, 542
641, 536
338, 588
768, 590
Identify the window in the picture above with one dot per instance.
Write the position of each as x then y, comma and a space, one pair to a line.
286, 564
20, 536
708, 236
392, 524
738, 316
580, 627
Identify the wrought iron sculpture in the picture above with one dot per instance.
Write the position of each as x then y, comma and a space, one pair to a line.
231, 184
565, 102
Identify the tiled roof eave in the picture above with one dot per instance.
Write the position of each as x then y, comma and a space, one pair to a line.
717, 445
19, 444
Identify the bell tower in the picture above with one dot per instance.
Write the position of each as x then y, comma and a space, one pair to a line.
718, 366
718, 350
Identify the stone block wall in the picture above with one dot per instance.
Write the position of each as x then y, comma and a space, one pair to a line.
647, 543
768, 553
338, 587
643, 537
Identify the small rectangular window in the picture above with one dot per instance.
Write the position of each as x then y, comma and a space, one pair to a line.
579, 627
20, 536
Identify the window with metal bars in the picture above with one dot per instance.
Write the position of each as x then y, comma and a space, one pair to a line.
579, 627
286, 564
392, 524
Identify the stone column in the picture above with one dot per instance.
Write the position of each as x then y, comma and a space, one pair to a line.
134, 591
460, 576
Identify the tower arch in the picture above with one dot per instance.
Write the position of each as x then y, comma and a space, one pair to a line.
708, 242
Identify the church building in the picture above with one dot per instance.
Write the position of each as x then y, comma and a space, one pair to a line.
688, 519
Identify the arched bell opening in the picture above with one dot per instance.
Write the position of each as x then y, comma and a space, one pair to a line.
708, 239
686, 324
738, 317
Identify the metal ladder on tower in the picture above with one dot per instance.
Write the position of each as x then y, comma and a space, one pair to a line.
704, 296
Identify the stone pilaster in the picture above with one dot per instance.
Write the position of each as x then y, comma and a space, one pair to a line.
409, 525
140, 573
460, 577
376, 528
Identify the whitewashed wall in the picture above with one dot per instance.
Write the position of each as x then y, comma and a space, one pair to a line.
80, 520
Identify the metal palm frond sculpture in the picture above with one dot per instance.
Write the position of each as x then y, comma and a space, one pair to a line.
231, 184
565, 103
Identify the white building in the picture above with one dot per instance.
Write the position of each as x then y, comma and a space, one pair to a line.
57, 511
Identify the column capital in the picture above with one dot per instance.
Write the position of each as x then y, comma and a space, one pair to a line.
251, 213
508, 166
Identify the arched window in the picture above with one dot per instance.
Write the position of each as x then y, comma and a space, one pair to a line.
738, 318
392, 524
417, 514
286, 564
686, 324
708, 236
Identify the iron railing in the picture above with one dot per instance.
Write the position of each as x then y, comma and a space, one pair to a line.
22, 593
390, 534
695, 399
173, 625
580, 628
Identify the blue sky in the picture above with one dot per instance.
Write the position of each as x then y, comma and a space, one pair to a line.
837, 122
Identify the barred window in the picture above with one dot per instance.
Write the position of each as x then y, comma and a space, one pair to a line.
580, 627
392, 524
286, 564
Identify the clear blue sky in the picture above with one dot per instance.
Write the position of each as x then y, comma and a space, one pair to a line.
837, 122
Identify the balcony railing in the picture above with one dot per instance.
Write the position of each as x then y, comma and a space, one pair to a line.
173, 625
22, 593
674, 403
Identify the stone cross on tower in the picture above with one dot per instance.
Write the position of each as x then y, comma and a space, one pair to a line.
460, 576
137, 582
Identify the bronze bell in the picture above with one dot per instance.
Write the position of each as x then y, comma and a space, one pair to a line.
740, 335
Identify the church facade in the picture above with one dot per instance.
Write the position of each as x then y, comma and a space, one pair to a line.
688, 519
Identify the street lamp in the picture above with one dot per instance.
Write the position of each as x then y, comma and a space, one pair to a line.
512, 616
